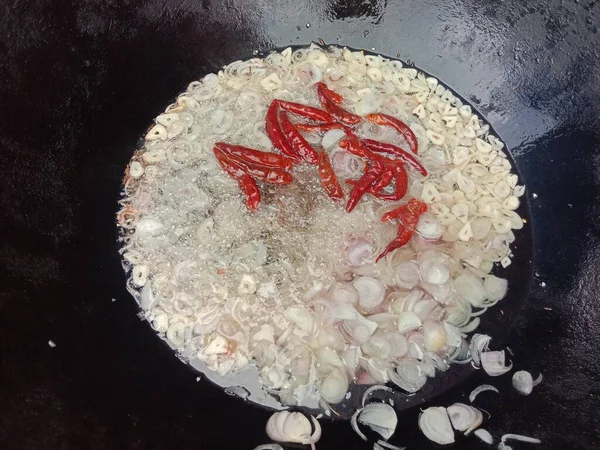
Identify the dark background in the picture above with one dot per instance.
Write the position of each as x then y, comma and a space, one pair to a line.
81, 80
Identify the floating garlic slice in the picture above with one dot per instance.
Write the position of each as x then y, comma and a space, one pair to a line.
136, 170
439, 90
465, 111
502, 190
218, 346
511, 202
501, 225
435, 138
154, 156
461, 212
410, 72
160, 322
446, 219
272, 82
430, 193
318, 58
167, 119
470, 132
481, 145
157, 132
465, 233
139, 275
432, 83
421, 96
505, 262
374, 74
175, 129
485, 158
419, 111
450, 121
519, 191
464, 184
176, 334
512, 180
474, 122
439, 208
247, 285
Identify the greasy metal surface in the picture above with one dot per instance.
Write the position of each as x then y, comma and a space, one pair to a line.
81, 79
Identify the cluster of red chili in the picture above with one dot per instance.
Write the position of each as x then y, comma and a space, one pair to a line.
385, 162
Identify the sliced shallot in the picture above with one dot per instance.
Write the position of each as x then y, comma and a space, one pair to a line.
478, 390
494, 363
380, 417
484, 435
523, 382
464, 418
285, 426
435, 425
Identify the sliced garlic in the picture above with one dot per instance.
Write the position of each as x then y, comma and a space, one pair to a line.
465, 233
247, 285
485, 158
501, 225
519, 191
421, 96
482, 146
502, 190
470, 132
136, 170
419, 111
430, 193
154, 156
374, 74
218, 346
167, 119
435, 138
465, 111
511, 203
272, 82
512, 180
450, 121
157, 132
139, 275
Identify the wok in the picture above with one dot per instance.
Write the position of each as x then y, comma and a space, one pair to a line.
81, 82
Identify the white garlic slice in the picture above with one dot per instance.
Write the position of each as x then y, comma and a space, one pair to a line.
218, 346
374, 74
502, 190
167, 119
465, 111
465, 233
136, 170
511, 202
419, 111
432, 83
160, 322
450, 121
461, 212
247, 285
485, 158
519, 190
176, 334
420, 97
139, 275
430, 193
271, 82
512, 179
157, 132
474, 122
501, 225
154, 156
482, 146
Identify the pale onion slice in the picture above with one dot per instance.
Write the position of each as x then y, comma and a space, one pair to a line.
520, 438
408, 321
408, 375
428, 226
522, 381
371, 292
495, 287
435, 425
484, 435
479, 389
435, 336
377, 347
370, 390
407, 275
464, 418
494, 363
334, 387
479, 343
384, 444
285, 426
470, 288
434, 272
354, 424
359, 329
269, 447
380, 417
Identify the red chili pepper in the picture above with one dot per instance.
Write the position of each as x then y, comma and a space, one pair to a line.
413, 207
353, 146
319, 126
275, 133
401, 181
333, 108
251, 155
384, 179
403, 155
297, 141
398, 125
404, 235
309, 112
256, 171
409, 217
246, 182
331, 95
329, 180
363, 184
